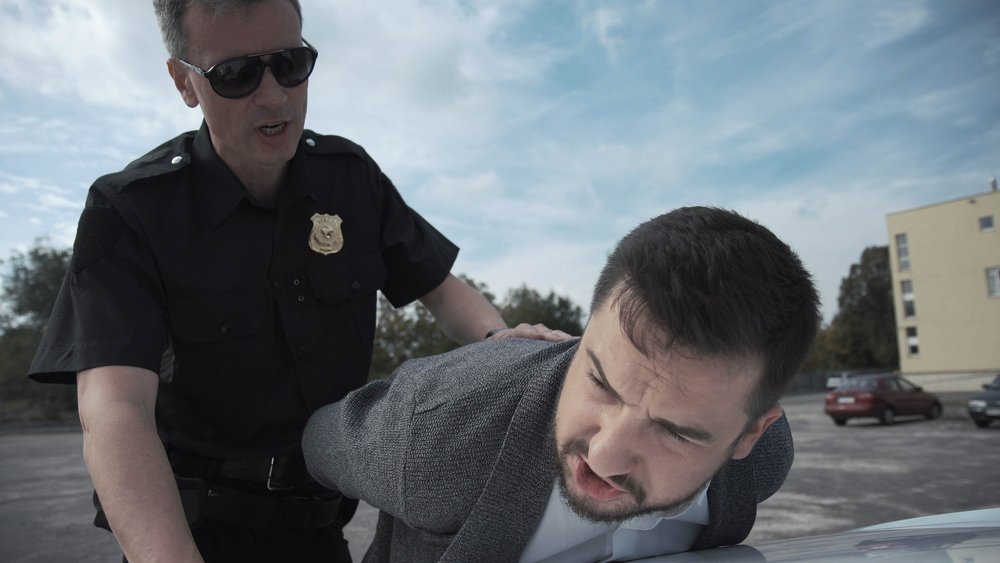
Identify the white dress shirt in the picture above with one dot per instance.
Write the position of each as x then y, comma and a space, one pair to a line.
564, 537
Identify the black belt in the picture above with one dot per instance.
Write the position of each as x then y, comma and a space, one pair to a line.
257, 511
264, 493
274, 473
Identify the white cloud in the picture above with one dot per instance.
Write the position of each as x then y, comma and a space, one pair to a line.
838, 29
52, 201
937, 104
12, 184
892, 23
422, 85
497, 122
480, 187
91, 50
63, 233
604, 22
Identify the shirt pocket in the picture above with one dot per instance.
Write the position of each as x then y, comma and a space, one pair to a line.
341, 280
343, 319
220, 340
210, 317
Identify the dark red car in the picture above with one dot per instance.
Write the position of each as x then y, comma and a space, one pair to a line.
883, 396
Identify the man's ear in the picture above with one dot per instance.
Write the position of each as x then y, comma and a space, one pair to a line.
746, 442
182, 81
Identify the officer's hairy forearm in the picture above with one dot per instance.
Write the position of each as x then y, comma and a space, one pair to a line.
464, 315
128, 465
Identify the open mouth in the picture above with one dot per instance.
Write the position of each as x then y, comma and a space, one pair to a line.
270, 129
593, 484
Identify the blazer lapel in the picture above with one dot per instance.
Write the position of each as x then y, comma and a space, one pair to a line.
520, 482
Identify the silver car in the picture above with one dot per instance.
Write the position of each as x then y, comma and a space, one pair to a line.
969, 537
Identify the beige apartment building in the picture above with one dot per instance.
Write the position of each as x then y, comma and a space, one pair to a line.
945, 263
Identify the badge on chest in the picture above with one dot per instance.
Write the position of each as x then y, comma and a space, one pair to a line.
326, 236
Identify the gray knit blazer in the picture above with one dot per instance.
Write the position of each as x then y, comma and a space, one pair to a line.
455, 451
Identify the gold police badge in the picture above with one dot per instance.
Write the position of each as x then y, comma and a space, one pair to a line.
326, 236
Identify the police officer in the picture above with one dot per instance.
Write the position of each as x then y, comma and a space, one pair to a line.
222, 287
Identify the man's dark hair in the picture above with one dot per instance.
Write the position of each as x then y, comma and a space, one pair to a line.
170, 16
718, 284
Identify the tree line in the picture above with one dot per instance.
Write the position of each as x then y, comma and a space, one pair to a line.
862, 334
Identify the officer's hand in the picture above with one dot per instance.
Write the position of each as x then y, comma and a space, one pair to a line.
535, 332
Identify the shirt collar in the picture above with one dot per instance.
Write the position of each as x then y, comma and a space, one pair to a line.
218, 188
299, 181
221, 191
563, 535
689, 512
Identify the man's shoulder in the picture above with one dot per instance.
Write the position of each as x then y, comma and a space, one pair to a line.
493, 355
492, 364
316, 144
171, 157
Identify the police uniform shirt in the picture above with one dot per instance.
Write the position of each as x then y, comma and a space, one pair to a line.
253, 316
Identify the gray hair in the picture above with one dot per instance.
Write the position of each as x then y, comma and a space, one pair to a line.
170, 16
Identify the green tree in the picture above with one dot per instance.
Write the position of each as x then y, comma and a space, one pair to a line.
825, 354
411, 332
864, 328
525, 305
31, 282
404, 333
862, 334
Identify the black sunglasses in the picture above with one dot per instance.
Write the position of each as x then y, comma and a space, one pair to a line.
239, 77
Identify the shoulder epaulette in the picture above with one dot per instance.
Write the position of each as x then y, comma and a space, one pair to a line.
330, 144
172, 156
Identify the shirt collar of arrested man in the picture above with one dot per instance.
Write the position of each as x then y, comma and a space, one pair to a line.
699, 320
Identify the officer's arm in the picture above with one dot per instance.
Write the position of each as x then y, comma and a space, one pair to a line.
466, 316
129, 466
463, 313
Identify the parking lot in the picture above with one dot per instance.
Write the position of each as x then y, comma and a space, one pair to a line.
864, 473
842, 478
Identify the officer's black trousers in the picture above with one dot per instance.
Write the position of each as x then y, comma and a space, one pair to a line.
222, 542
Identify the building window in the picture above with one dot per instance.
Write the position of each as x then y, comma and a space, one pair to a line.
986, 223
993, 281
909, 305
903, 251
912, 342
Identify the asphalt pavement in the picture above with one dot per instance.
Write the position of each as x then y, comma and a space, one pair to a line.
842, 478
865, 473
46, 513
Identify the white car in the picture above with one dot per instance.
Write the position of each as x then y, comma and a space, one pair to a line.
972, 536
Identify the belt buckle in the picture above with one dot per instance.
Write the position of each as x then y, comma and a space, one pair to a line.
270, 477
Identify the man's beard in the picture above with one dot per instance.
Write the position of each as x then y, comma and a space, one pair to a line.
592, 510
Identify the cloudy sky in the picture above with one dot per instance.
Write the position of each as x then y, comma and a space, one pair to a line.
536, 133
